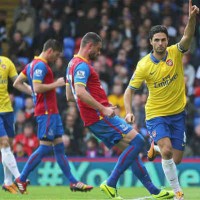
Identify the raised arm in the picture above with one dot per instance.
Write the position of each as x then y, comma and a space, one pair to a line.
190, 27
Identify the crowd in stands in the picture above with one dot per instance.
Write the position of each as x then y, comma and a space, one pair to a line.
123, 26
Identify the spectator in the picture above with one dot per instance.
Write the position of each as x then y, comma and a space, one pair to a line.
123, 26
20, 121
3, 34
29, 109
115, 42
91, 20
67, 144
75, 133
167, 22
105, 22
93, 149
19, 150
42, 35
45, 13
116, 99
189, 71
19, 47
80, 22
24, 5
28, 139
195, 141
139, 112
69, 21
57, 30
25, 24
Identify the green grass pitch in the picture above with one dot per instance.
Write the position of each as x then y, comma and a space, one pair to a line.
61, 193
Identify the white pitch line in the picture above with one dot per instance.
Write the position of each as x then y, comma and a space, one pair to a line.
143, 198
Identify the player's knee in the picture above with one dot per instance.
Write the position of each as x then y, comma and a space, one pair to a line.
138, 141
177, 161
167, 152
4, 142
141, 140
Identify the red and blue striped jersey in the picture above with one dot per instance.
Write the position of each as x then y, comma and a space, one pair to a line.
80, 71
39, 71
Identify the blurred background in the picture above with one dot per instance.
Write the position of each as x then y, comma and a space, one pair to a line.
123, 25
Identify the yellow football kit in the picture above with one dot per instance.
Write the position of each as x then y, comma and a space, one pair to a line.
7, 70
165, 82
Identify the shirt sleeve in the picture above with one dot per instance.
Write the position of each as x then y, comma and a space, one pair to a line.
39, 72
81, 74
67, 76
24, 71
180, 48
137, 78
12, 71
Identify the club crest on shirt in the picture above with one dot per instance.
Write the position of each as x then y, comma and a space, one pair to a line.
169, 62
38, 72
154, 133
80, 74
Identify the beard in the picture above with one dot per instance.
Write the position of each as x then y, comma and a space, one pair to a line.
160, 51
92, 56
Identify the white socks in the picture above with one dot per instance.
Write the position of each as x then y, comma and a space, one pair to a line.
156, 148
10, 165
170, 171
7, 175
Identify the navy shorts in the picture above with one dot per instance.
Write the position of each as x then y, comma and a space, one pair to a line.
49, 127
172, 126
110, 130
7, 124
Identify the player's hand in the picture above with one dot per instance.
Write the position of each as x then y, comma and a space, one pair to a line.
130, 118
193, 10
109, 111
60, 82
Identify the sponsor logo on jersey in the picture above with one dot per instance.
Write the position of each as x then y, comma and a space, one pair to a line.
166, 81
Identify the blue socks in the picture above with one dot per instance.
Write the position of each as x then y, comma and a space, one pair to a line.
63, 162
42, 151
126, 159
141, 173
34, 160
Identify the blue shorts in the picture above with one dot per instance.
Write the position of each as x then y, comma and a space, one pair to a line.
7, 124
172, 126
49, 127
110, 130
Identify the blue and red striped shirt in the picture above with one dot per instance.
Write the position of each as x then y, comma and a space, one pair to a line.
39, 71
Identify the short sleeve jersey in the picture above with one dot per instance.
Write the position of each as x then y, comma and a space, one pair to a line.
165, 82
7, 70
80, 71
39, 71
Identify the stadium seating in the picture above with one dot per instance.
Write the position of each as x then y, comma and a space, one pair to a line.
69, 45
